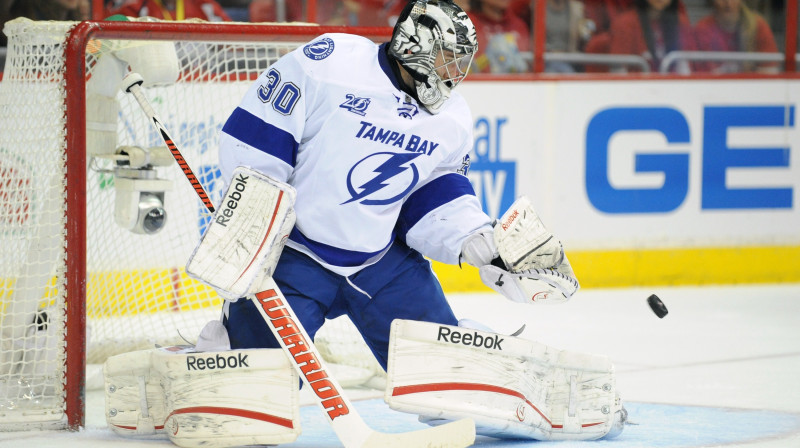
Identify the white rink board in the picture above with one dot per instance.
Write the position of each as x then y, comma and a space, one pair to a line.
544, 129
531, 138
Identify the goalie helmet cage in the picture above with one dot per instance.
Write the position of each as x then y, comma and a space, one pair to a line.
75, 287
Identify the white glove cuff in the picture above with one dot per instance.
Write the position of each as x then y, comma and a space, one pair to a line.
479, 249
533, 286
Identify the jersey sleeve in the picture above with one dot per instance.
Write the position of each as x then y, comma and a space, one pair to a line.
264, 131
442, 212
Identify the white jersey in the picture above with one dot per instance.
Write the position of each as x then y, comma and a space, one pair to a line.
369, 164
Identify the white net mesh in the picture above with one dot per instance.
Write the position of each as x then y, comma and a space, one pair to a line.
137, 294
32, 213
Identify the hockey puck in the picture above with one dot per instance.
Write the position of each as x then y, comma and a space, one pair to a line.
657, 306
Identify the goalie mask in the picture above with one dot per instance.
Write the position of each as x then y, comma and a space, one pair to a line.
435, 42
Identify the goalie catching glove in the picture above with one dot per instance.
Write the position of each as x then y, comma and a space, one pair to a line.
521, 259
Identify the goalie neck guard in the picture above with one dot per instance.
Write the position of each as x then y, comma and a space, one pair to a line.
435, 42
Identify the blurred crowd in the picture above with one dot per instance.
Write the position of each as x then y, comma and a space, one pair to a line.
650, 29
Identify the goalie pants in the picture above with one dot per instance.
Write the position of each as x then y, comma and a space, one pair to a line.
401, 285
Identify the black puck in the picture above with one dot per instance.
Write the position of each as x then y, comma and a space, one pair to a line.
657, 306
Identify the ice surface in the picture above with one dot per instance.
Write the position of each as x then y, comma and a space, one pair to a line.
721, 369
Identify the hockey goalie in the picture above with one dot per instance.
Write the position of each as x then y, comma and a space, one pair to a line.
345, 167
215, 395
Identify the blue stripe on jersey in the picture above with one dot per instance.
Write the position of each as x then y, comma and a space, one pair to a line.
434, 194
249, 129
334, 255
385, 64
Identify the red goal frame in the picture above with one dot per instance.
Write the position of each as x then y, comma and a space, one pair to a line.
78, 39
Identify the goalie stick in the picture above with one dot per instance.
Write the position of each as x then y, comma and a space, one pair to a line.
131, 84
273, 307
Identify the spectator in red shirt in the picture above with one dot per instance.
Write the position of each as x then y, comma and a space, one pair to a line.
503, 38
732, 26
208, 10
652, 29
603, 12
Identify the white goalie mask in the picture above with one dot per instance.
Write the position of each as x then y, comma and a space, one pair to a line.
435, 41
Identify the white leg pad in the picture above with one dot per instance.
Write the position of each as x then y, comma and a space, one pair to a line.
511, 387
210, 399
135, 400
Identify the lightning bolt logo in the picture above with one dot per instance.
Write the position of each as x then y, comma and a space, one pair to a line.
385, 174
320, 49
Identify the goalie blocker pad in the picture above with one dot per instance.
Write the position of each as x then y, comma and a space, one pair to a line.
511, 387
246, 235
209, 399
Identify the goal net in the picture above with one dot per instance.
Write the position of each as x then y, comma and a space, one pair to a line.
96, 224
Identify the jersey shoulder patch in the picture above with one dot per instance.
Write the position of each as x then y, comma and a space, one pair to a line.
319, 49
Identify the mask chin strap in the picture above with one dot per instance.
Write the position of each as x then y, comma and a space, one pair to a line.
419, 77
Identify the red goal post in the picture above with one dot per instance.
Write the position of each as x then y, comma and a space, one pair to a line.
55, 314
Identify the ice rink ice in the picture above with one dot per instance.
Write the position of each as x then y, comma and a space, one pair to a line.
721, 369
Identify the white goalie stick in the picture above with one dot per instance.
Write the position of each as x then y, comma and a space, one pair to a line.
348, 425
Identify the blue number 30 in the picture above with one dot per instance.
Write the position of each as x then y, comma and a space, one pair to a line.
287, 96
